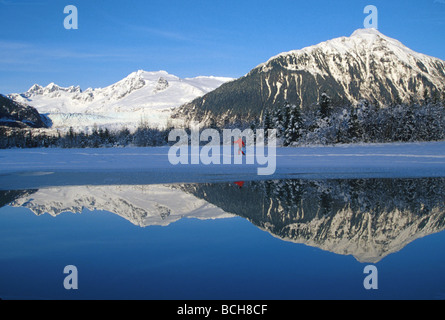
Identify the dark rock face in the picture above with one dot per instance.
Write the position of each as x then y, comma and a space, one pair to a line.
15, 115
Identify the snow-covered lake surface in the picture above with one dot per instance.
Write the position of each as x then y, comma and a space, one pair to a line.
137, 227
33, 168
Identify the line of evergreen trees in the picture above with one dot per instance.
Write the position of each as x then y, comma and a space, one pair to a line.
363, 123
144, 136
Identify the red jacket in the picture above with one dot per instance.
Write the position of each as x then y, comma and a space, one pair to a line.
240, 142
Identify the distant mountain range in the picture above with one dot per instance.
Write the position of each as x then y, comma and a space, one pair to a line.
139, 90
141, 96
366, 65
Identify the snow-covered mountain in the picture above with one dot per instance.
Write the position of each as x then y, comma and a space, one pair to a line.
366, 65
366, 218
142, 205
139, 90
142, 95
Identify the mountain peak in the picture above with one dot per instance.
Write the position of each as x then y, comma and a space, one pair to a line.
35, 89
366, 65
371, 35
52, 85
367, 40
366, 32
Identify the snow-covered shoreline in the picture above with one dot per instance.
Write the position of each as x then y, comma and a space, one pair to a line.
37, 168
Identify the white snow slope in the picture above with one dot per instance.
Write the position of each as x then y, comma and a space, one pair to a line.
141, 96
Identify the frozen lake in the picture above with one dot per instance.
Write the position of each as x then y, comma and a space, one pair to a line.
31, 168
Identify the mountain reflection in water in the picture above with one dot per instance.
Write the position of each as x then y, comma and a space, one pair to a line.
366, 218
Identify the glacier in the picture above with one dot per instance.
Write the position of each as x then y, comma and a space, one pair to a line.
142, 96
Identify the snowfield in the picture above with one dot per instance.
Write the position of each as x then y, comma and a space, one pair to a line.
37, 168
138, 91
142, 96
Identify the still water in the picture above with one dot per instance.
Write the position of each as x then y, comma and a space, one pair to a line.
284, 239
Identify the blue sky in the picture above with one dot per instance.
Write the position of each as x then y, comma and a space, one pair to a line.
187, 37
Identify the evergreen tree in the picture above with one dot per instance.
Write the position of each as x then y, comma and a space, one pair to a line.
294, 125
354, 130
409, 124
325, 105
278, 119
344, 123
267, 121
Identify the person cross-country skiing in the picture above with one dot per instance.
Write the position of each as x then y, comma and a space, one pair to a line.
241, 144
